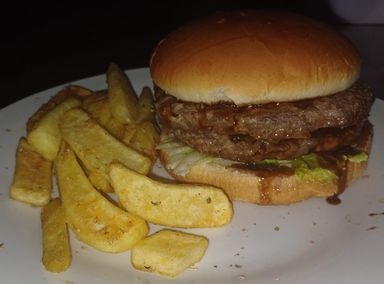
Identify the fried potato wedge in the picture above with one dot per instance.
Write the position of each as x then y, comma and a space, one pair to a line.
129, 132
78, 91
32, 182
45, 137
146, 106
56, 247
98, 108
94, 98
142, 137
175, 205
123, 100
168, 252
67, 92
96, 148
94, 219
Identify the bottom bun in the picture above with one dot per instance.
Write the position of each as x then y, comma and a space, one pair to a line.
247, 186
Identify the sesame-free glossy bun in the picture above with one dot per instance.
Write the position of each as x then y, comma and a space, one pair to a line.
254, 57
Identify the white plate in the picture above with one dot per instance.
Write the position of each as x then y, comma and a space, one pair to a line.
310, 242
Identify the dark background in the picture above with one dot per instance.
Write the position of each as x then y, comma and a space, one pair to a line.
51, 44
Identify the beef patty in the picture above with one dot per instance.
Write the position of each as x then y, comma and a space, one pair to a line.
284, 130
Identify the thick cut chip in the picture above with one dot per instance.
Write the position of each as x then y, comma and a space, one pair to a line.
176, 205
97, 148
94, 219
146, 104
45, 137
56, 247
98, 107
123, 100
168, 252
32, 182
67, 92
142, 137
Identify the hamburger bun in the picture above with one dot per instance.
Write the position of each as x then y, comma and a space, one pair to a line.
254, 57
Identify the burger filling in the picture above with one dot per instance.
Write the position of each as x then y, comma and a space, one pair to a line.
281, 131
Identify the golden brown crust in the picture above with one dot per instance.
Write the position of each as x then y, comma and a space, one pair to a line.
243, 185
254, 57
65, 93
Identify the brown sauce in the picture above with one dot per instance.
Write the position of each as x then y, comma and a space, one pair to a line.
375, 214
342, 167
266, 173
332, 161
333, 200
335, 163
202, 118
265, 189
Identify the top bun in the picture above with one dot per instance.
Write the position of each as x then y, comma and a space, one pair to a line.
254, 57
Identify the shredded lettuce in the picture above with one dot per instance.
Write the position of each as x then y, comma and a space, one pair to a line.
182, 158
308, 166
276, 162
358, 158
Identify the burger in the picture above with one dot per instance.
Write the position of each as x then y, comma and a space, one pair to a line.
263, 104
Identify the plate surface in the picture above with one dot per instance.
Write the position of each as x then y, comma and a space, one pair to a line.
309, 242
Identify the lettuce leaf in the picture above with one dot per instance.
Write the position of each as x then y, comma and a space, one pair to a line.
183, 158
358, 158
